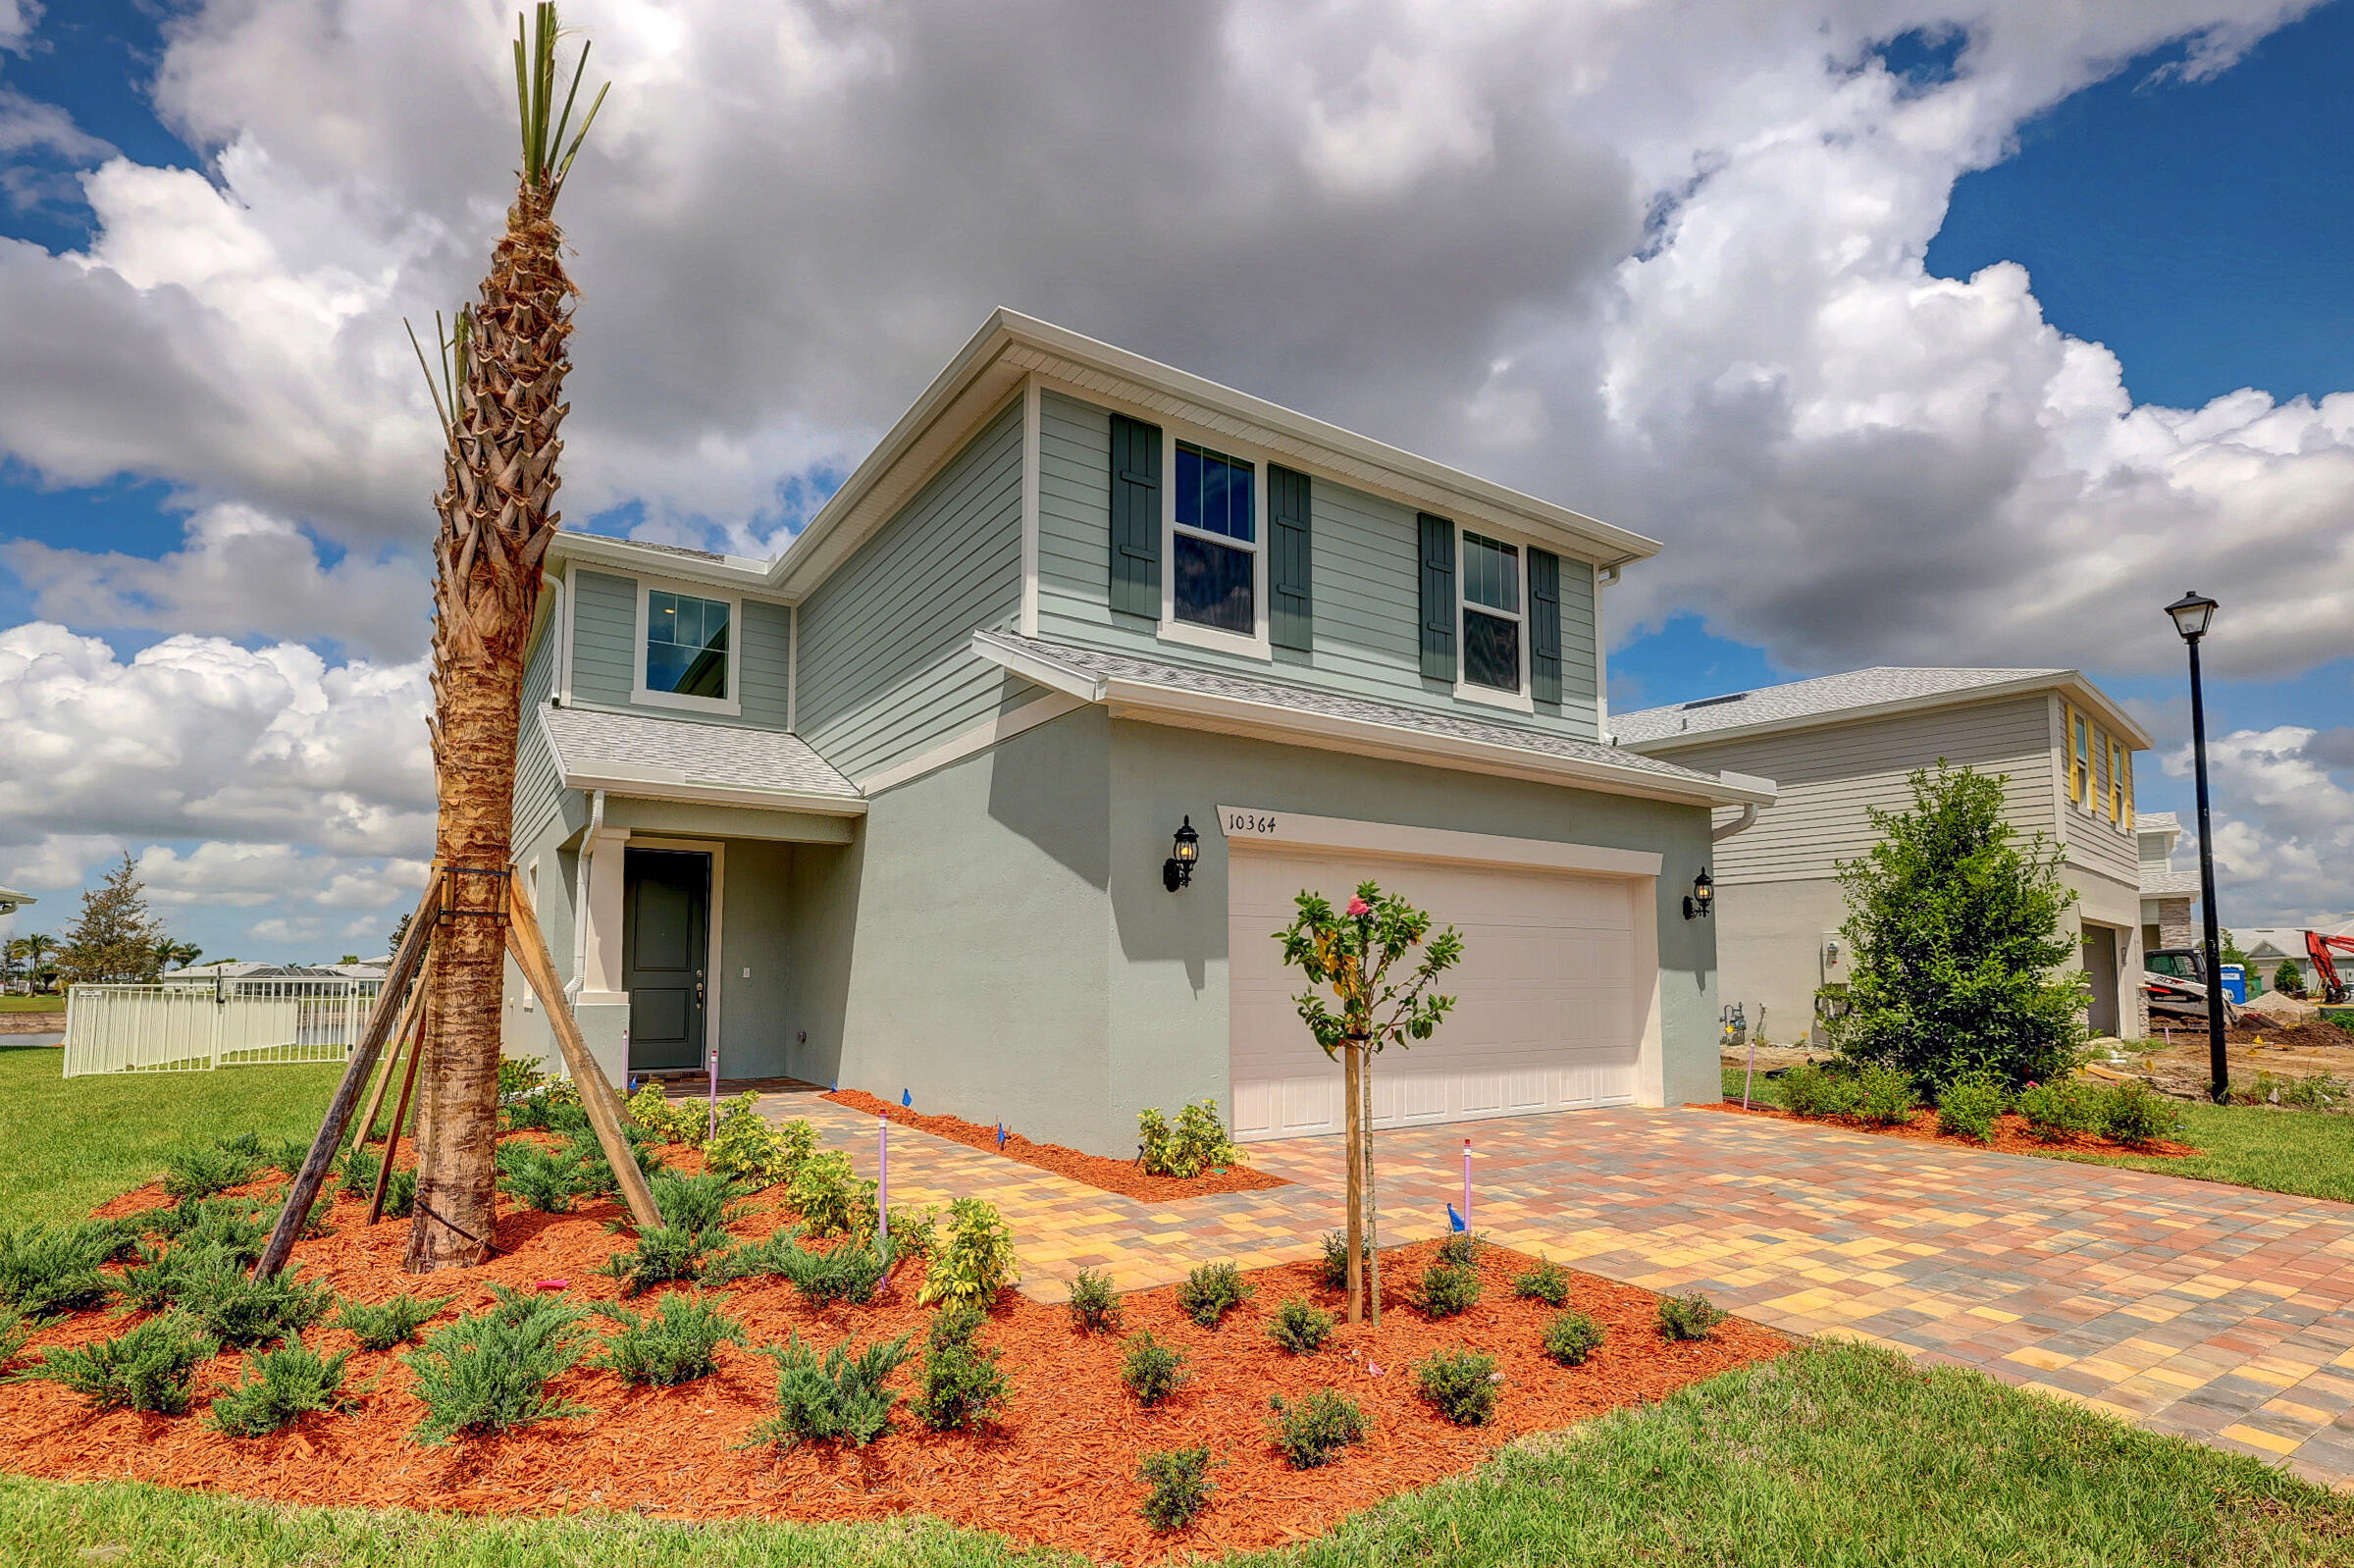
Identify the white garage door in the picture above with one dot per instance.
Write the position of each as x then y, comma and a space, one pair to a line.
1546, 1017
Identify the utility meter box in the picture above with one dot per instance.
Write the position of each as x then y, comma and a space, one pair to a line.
1838, 963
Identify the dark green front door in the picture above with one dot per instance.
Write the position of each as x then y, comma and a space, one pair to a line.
665, 921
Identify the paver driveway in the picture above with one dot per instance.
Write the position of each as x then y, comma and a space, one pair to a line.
2210, 1310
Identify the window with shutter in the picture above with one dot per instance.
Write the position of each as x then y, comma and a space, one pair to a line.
1136, 516
1292, 619
1438, 597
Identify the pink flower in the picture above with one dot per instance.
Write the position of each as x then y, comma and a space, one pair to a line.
1357, 906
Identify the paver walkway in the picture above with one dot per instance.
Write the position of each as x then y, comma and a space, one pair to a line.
2213, 1312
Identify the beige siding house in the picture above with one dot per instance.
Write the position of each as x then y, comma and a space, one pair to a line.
1841, 745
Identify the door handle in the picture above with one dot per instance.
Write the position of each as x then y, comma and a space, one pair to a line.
698, 993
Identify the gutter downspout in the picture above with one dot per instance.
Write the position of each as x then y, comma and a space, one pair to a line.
580, 898
1740, 825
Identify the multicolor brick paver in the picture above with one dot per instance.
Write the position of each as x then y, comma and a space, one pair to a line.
2213, 1312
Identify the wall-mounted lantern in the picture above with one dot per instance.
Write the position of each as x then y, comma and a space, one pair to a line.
1185, 847
1702, 898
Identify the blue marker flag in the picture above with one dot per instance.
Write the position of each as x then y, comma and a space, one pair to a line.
906, 1098
1454, 1220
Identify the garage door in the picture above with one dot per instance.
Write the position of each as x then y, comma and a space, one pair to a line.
1546, 1017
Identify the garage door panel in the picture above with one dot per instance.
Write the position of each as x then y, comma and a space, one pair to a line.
1546, 1017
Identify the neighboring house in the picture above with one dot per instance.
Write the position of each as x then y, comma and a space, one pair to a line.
2169, 897
902, 809
1840, 745
2268, 947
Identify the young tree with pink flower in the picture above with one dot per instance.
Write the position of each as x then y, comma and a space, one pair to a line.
1352, 952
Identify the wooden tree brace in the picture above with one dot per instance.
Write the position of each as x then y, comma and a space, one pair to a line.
408, 1080
304, 1191
530, 950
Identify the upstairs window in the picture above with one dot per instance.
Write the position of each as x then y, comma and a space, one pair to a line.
686, 646
1491, 613
1214, 546
2080, 759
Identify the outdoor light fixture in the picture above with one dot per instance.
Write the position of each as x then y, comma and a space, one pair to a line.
1702, 898
2191, 613
1185, 847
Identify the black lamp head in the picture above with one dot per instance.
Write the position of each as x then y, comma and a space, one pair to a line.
1185, 849
1702, 898
2191, 612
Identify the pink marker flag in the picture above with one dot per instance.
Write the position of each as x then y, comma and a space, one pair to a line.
1466, 1183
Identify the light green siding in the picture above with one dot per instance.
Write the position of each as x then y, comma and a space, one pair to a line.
886, 671
605, 652
1365, 571
536, 794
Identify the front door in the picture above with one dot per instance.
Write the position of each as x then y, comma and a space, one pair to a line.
666, 923
2100, 969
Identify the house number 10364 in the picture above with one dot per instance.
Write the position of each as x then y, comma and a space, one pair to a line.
1249, 825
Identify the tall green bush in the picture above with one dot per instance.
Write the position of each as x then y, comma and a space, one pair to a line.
1955, 926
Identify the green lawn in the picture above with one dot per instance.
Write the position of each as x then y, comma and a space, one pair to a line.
1840, 1456
33, 1004
2308, 1153
71, 1143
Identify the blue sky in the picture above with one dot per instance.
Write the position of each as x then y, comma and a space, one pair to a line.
2195, 226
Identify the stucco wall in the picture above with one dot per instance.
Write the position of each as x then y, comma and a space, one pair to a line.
1770, 938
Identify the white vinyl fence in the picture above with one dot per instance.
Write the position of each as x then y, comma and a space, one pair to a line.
186, 1028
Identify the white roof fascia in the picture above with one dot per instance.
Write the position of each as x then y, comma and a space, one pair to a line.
640, 782
739, 573
2070, 682
1009, 346
1235, 715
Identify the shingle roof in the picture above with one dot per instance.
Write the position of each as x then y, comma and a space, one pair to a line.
2156, 822
2169, 884
1095, 664
1822, 696
594, 742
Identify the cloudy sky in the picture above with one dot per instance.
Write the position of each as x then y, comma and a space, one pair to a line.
1921, 331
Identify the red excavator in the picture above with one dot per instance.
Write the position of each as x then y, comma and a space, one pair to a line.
2325, 980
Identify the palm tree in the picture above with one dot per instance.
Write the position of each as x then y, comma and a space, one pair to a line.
32, 948
173, 954
500, 401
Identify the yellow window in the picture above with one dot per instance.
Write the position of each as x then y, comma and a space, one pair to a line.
2080, 762
2121, 784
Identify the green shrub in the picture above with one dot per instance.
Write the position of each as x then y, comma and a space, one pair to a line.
400, 1194
1462, 1248
14, 1331
287, 1155
544, 1180
745, 1260
1692, 1316
1299, 1327
748, 1148
161, 1276
234, 1226
151, 1368
1197, 1143
1460, 1384
1884, 1097
239, 1310
2288, 980
1332, 1269
961, 1382
280, 1385
1544, 1280
2057, 1111
1447, 1291
490, 1372
519, 1075
1571, 1338
550, 1105
674, 1344
356, 1171
1181, 1488
975, 1260
1806, 1089
829, 1196
244, 1145
851, 1272
701, 1205
915, 1232
836, 1397
1151, 1370
196, 1171
598, 1172
1312, 1432
314, 1223
1968, 1108
671, 1120
1095, 1305
1210, 1291
2135, 1115
663, 1253
389, 1323
49, 1269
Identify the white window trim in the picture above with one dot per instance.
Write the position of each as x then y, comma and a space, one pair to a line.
1190, 633
731, 705
1467, 690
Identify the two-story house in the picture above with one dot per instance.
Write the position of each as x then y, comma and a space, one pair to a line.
995, 786
1842, 745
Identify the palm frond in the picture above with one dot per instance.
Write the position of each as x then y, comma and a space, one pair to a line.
535, 97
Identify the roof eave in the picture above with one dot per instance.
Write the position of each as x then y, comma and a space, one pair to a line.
739, 572
2071, 681
659, 784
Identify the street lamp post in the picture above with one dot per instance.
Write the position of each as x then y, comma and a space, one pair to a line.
2191, 613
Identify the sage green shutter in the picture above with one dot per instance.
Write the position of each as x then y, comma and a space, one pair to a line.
1291, 615
1545, 626
1438, 597
1136, 516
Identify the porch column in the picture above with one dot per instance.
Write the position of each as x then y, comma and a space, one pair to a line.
602, 977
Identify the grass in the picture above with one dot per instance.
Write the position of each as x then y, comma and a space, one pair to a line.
1836, 1456
33, 1004
2306, 1153
72, 1143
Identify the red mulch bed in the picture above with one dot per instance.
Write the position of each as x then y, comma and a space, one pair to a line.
1058, 1470
1113, 1175
2011, 1133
